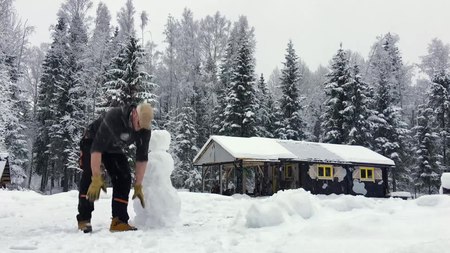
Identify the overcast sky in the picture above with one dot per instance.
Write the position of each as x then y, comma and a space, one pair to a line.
316, 27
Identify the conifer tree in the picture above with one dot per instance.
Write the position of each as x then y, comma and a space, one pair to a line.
14, 121
240, 32
389, 130
357, 113
50, 96
202, 119
126, 82
240, 119
336, 89
74, 120
5, 102
222, 87
439, 100
290, 123
265, 113
185, 147
426, 169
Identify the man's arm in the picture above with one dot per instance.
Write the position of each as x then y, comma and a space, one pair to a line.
96, 160
140, 171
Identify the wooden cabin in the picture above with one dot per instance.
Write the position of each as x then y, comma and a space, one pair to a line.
5, 176
262, 166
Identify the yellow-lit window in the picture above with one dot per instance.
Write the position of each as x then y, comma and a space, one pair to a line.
367, 174
288, 170
325, 171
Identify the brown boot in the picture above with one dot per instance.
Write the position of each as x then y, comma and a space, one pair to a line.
120, 226
85, 226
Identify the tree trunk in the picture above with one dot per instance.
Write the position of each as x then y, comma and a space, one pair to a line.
31, 168
66, 180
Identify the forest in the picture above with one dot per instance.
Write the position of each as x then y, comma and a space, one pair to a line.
202, 81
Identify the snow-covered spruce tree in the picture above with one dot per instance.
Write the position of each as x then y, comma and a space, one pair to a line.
240, 31
16, 139
185, 149
6, 103
389, 130
265, 115
337, 98
222, 87
202, 121
14, 120
53, 81
290, 126
240, 118
126, 82
357, 113
438, 101
14, 124
426, 170
314, 98
76, 109
191, 85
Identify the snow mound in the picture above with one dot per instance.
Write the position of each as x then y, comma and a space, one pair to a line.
445, 180
433, 200
280, 207
346, 203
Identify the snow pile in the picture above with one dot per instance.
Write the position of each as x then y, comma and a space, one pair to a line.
300, 204
433, 201
162, 203
445, 180
280, 208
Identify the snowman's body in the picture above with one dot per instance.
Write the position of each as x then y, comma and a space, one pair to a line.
162, 203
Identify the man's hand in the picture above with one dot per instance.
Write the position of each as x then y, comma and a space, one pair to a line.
93, 192
139, 193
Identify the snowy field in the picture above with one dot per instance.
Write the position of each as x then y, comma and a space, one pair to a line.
289, 221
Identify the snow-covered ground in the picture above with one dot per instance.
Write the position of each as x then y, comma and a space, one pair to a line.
289, 221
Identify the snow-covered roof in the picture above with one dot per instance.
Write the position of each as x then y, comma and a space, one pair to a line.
222, 149
229, 149
2, 167
3, 156
325, 152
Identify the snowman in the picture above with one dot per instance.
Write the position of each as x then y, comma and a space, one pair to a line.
162, 203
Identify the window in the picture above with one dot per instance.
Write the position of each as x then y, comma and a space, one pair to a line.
288, 169
325, 171
367, 174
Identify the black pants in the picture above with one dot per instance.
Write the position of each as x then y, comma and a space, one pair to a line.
119, 172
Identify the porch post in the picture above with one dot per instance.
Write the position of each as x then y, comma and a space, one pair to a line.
203, 179
220, 178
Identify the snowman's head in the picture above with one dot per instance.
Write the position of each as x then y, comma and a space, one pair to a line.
160, 140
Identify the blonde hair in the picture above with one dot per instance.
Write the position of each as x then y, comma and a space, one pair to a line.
145, 113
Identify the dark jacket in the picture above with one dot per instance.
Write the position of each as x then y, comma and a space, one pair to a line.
113, 132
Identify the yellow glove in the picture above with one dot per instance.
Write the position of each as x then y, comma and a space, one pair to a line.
93, 192
139, 193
